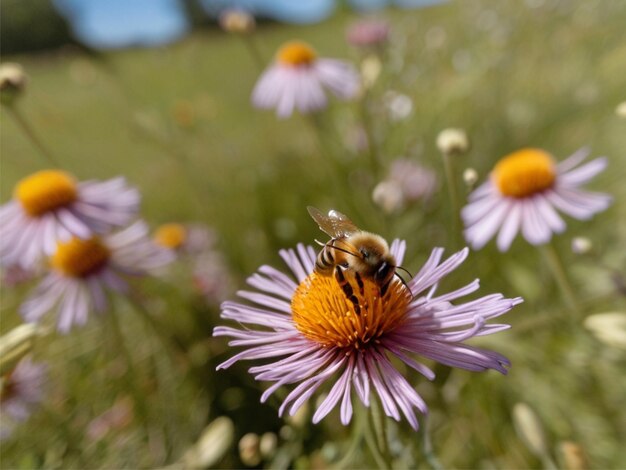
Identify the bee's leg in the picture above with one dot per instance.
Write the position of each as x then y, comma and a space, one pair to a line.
347, 288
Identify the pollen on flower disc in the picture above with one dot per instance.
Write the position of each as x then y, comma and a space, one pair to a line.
46, 190
524, 173
79, 258
323, 313
296, 53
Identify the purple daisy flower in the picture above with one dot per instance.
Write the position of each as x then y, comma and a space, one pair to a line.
311, 334
297, 78
22, 390
524, 191
83, 269
51, 206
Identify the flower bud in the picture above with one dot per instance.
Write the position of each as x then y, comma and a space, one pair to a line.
453, 142
237, 21
12, 82
268, 443
529, 429
370, 70
470, 177
620, 110
610, 328
18, 342
388, 196
368, 33
214, 442
249, 450
573, 456
581, 245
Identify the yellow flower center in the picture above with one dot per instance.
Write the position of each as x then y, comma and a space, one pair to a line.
524, 173
80, 258
323, 312
170, 235
296, 54
45, 191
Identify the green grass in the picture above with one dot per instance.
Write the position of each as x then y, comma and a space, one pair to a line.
510, 75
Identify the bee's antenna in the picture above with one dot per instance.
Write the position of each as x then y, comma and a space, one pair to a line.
405, 270
319, 242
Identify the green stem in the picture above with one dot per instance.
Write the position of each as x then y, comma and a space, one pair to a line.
370, 440
132, 375
254, 51
429, 452
560, 276
358, 430
381, 452
372, 144
32, 135
453, 193
168, 340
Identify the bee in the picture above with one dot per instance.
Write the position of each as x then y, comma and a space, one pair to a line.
353, 253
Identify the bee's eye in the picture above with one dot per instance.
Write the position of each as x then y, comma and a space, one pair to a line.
364, 253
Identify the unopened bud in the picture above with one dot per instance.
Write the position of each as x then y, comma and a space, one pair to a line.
581, 245
529, 429
214, 442
573, 456
268, 444
18, 342
249, 451
470, 177
388, 196
370, 70
12, 82
610, 328
453, 142
299, 418
237, 21
620, 110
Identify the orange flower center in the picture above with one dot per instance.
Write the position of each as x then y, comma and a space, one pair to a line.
524, 173
45, 191
323, 312
80, 258
170, 235
296, 54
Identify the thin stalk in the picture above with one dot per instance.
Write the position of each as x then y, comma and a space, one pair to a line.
358, 430
168, 341
32, 135
370, 440
448, 164
372, 144
254, 51
560, 276
428, 450
378, 421
132, 375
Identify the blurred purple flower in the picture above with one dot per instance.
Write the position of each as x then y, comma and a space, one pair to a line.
524, 191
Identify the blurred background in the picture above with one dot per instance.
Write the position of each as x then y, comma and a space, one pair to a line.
159, 92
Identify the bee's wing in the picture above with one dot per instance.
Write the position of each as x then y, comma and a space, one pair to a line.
334, 224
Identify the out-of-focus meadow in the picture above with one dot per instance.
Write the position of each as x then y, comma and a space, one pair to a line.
177, 122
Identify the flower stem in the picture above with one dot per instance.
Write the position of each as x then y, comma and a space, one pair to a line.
32, 135
448, 164
372, 144
377, 441
358, 430
132, 372
168, 340
560, 276
429, 453
254, 51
